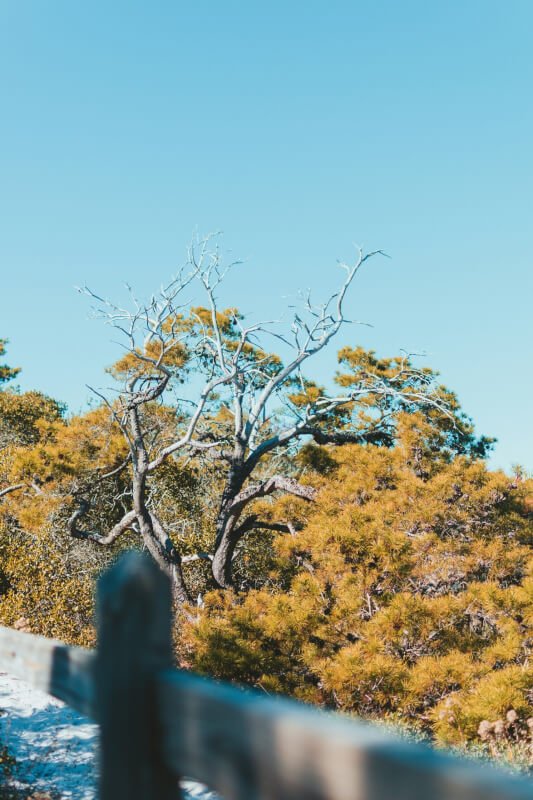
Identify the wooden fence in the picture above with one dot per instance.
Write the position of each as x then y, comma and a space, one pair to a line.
157, 723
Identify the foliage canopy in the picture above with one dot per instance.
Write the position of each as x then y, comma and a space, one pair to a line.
407, 593
348, 547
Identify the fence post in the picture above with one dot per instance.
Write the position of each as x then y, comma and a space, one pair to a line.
134, 643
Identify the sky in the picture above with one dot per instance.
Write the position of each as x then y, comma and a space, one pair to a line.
298, 129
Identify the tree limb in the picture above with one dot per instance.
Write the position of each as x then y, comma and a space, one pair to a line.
196, 557
252, 522
126, 523
15, 488
376, 436
273, 484
317, 338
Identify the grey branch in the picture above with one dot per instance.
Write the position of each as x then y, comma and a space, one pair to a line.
196, 557
15, 488
252, 522
126, 523
273, 484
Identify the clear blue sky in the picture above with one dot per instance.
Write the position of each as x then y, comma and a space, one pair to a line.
297, 128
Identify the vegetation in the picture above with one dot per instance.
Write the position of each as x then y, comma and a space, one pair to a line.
11, 787
7, 764
348, 547
408, 592
249, 406
6, 373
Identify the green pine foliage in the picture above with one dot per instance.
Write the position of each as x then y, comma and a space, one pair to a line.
408, 592
404, 592
6, 373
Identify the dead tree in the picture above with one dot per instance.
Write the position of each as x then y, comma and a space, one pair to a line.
165, 339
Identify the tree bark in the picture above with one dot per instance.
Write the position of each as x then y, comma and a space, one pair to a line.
235, 500
157, 541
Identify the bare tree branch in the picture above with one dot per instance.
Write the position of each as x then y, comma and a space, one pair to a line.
15, 488
196, 557
273, 484
252, 522
126, 523
317, 338
233, 372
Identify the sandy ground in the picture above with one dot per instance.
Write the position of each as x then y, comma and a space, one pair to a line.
55, 747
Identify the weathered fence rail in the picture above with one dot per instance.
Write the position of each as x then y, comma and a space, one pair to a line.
157, 723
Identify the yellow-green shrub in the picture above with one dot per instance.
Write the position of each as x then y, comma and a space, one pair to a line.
406, 592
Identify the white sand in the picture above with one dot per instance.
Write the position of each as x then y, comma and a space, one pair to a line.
54, 746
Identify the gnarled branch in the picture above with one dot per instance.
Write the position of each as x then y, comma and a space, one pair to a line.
126, 523
15, 488
273, 484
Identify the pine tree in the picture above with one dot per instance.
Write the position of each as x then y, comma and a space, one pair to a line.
6, 373
408, 591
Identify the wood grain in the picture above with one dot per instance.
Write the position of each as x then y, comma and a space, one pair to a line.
134, 624
64, 672
157, 723
251, 747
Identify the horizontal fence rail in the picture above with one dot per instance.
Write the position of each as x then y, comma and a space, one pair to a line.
247, 745
157, 723
64, 672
